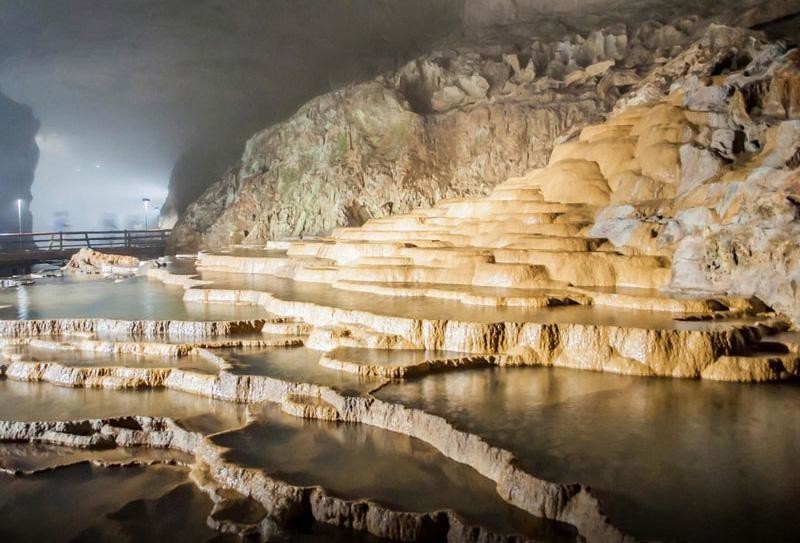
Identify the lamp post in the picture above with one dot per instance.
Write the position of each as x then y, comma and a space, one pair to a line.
146, 202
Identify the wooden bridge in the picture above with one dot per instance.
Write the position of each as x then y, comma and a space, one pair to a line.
27, 248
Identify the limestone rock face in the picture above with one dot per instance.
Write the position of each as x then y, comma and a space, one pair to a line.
480, 15
716, 185
692, 181
19, 155
452, 123
195, 170
691, 184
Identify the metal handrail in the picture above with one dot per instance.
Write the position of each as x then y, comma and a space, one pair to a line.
82, 232
63, 240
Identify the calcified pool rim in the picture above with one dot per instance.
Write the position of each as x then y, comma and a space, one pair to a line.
573, 504
707, 342
303, 399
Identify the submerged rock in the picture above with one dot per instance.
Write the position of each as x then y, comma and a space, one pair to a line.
13, 283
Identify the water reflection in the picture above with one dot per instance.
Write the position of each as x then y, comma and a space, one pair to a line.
359, 461
78, 358
299, 365
434, 308
91, 297
23, 302
43, 507
40, 401
670, 458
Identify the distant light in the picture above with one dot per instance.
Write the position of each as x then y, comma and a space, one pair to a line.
97, 166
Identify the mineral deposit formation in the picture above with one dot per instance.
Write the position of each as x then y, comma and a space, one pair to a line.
623, 201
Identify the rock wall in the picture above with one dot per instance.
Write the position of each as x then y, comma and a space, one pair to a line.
451, 123
197, 168
480, 15
700, 165
19, 155
714, 180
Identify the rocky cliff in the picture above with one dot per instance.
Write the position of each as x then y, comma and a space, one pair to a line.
451, 123
480, 15
690, 188
710, 175
197, 168
697, 165
18, 157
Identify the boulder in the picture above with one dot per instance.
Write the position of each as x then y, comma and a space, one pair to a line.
89, 261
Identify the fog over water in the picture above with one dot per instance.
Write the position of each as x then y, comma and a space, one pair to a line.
123, 87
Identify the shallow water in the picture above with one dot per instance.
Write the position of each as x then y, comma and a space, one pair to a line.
432, 308
299, 365
21, 401
358, 461
76, 296
86, 503
77, 358
390, 358
669, 458
260, 252
36, 457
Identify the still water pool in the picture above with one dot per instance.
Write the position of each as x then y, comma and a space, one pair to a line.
129, 299
669, 458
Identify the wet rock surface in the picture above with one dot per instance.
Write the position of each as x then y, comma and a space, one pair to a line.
89, 261
659, 243
692, 177
270, 475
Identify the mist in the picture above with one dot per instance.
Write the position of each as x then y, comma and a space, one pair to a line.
123, 88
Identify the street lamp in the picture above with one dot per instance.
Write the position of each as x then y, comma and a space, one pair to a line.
19, 214
146, 202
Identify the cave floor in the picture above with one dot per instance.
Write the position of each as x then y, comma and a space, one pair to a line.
302, 411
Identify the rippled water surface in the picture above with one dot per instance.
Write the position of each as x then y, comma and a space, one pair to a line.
669, 458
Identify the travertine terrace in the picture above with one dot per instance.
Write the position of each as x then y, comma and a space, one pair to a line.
645, 247
583, 263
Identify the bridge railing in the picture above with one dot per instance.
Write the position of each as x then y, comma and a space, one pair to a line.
75, 240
